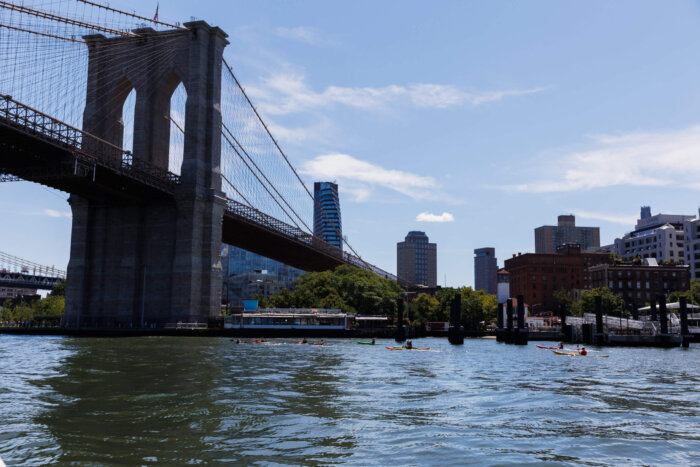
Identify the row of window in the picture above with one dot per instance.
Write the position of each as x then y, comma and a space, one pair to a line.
629, 284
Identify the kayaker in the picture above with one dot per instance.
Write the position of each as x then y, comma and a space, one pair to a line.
561, 345
583, 351
409, 345
373, 341
303, 341
238, 341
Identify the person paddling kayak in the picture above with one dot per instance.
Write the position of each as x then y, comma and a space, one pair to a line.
583, 351
409, 345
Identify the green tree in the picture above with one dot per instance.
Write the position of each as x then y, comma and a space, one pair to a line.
563, 299
477, 307
52, 305
612, 304
351, 289
424, 308
692, 295
59, 289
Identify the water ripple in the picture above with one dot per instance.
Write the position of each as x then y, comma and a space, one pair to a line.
202, 401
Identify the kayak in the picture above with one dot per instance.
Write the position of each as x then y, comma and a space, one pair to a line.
254, 341
366, 343
403, 348
576, 354
557, 348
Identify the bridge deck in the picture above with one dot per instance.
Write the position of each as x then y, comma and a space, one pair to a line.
38, 148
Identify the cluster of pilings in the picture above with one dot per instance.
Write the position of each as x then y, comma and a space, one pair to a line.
506, 332
455, 333
595, 334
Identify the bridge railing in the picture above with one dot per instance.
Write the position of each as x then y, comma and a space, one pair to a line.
89, 149
279, 227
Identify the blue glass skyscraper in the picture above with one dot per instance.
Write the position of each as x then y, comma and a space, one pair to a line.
328, 226
247, 275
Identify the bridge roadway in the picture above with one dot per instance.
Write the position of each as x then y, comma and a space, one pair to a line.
27, 281
41, 149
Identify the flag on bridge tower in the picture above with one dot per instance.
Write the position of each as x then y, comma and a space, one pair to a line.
155, 17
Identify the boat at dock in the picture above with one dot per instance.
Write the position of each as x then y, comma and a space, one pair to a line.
299, 319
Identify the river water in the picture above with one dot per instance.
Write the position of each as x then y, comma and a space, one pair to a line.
173, 401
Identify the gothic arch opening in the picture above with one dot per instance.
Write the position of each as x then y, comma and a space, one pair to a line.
178, 104
128, 109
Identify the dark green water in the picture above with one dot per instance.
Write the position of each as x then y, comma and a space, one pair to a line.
173, 401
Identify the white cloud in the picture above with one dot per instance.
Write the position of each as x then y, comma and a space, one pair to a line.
623, 219
305, 34
55, 213
670, 158
317, 131
429, 217
360, 177
287, 93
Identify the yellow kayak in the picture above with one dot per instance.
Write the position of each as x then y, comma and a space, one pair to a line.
576, 354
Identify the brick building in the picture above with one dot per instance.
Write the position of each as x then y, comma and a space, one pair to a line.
537, 276
637, 284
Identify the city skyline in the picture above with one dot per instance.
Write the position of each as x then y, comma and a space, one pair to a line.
423, 148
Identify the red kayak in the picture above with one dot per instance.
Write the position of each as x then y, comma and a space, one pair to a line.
557, 348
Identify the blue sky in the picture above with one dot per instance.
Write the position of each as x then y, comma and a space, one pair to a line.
491, 117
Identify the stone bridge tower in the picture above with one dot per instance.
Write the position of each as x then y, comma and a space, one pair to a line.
153, 261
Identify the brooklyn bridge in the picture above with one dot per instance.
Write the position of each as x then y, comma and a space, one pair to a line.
163, 154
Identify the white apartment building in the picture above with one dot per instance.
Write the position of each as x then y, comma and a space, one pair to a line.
691, 231
660, 236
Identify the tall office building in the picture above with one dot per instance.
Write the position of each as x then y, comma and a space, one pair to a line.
416, 259
485, 270
548, 237
328, 226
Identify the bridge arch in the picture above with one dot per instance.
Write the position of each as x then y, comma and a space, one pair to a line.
174, 94
128, 105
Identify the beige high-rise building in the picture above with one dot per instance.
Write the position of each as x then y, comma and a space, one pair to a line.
416, 259
549, 237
